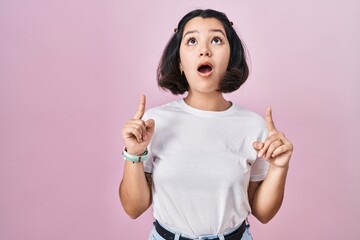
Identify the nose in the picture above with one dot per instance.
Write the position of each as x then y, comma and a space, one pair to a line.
205, 52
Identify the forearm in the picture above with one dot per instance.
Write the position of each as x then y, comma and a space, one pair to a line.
269, 195
135, 192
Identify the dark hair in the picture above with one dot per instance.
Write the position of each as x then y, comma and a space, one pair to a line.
169, 76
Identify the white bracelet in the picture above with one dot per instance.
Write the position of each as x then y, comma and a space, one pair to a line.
135, 158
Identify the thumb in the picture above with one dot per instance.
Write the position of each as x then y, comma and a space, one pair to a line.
150, 126
258, 145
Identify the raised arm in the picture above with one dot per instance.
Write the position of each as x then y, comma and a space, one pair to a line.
135, 187
266, 198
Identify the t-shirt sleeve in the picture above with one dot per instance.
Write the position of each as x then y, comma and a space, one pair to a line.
148, 164
259, 170
260, 167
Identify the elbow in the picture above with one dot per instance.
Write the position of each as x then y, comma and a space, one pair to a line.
265, 213
134, 211
264, 220
136, 204
133, 215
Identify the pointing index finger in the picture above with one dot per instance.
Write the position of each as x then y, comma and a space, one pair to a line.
141, 109
269, 120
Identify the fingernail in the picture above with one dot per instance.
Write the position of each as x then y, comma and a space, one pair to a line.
259, 155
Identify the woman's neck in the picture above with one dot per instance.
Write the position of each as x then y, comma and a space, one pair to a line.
213, 102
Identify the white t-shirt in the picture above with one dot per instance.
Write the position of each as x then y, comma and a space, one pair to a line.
201, 164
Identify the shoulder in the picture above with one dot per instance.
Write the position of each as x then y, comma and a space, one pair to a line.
249, 121
252, 116
168, 108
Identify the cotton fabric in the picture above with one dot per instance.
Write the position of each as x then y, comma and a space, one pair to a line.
201, 164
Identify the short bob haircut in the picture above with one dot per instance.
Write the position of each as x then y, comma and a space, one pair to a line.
169, 76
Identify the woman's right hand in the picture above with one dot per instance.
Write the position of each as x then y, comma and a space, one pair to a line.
138, 133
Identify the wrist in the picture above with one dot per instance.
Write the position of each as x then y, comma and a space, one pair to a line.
136, 152
277, 168
134, 157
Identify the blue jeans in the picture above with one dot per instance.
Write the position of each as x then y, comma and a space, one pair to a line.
246, 236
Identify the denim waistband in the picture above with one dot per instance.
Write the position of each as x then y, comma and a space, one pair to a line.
170, 235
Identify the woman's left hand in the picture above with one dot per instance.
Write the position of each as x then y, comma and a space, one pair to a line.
277, 149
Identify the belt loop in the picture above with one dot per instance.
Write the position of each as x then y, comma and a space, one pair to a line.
247, 222
177, 236
221, 237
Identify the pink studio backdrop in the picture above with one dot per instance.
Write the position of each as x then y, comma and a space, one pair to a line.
71, 73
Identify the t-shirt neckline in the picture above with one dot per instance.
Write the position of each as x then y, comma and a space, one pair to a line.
205, 113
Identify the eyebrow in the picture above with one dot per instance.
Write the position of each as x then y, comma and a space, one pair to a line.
218, 30
190, 32
211, 30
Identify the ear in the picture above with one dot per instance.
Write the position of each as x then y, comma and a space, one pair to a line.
181, 69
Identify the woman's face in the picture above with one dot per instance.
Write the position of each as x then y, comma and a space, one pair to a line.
204, 54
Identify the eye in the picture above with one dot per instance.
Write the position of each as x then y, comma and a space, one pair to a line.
216, 41
191, 41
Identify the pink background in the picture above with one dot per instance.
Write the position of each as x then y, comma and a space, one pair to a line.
72, 71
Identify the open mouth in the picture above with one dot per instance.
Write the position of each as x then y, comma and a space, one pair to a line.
205, 68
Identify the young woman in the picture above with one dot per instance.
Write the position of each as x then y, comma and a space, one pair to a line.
204, 163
